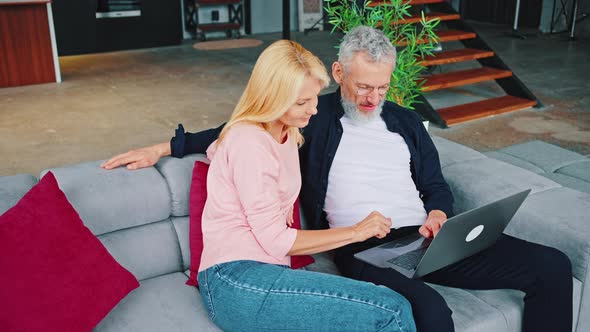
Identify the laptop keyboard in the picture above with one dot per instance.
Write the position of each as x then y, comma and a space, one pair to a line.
409, 260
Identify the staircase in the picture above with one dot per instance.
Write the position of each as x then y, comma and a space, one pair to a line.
517, 97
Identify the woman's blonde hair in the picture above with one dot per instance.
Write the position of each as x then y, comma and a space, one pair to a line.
275, 84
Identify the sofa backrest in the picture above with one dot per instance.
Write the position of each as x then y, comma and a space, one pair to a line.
140, 216
13, 188
476, 180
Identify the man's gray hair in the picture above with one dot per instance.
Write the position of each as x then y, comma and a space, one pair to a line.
370, 41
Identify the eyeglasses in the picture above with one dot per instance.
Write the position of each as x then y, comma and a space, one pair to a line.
365, 91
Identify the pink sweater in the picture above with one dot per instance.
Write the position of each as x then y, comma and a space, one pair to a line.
252, 184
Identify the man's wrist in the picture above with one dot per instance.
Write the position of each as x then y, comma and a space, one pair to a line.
437, 213
163, 149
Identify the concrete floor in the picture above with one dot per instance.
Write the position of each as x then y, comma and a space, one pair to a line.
111, 102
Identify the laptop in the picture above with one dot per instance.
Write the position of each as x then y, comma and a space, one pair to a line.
460, 237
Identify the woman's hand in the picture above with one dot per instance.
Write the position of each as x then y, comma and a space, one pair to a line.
375, 224
139, 158
311, 242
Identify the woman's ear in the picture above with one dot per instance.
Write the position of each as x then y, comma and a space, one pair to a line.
337, 72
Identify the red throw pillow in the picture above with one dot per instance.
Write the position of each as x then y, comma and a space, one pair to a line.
300, 261
56, 275
198, 196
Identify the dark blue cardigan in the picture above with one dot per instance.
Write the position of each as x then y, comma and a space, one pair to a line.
322, 137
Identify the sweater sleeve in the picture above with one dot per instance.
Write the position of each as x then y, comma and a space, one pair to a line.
255, 169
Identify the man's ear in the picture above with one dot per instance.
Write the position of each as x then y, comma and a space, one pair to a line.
337, 72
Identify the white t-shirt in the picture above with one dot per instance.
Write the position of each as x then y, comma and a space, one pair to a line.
371, 172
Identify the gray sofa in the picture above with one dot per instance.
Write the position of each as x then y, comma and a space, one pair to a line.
142, 219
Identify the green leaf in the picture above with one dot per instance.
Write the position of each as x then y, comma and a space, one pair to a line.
406, 82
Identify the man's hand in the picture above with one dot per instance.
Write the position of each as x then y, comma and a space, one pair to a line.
375, 224
433, 223
139, 158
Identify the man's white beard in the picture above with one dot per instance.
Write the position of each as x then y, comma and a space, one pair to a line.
352, 111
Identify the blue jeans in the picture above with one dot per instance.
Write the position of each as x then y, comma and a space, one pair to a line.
254, 296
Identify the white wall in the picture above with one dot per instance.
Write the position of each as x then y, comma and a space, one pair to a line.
267, 15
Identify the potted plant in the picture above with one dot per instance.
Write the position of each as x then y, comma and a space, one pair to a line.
413, 41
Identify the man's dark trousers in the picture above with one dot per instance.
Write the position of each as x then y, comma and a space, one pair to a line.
542, 273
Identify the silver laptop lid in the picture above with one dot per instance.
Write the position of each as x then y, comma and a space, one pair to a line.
469, 233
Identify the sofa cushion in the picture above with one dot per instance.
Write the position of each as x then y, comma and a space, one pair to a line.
13, 188
56, 276
178, 173
147, 251
114, 199
324, 262
569, 181
515, 161
472, 314
579, 170
450, 152
182, 228
543, 155
163, 303
508, 302
480, 181
565, 167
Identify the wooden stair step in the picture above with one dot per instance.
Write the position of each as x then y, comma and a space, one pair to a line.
377, 3
464, 54
452, 35
480, 109
445, 36
463, 77
417, 17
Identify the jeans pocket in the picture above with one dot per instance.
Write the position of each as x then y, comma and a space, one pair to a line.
204, 289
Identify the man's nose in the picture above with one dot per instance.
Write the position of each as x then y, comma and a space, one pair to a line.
374, 97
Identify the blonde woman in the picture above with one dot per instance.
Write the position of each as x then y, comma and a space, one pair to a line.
253, 181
